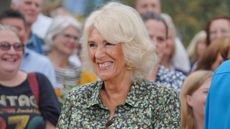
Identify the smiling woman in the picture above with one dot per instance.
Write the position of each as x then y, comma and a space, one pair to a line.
107, 58
117, 47
18, 107
9, 40
62, 40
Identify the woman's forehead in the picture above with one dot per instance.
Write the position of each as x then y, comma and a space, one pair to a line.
7, 35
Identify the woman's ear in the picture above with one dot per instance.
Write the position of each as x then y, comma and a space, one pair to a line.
189, 100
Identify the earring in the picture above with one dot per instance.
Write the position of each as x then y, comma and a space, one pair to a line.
129, 67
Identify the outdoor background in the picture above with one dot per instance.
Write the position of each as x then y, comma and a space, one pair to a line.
190, 16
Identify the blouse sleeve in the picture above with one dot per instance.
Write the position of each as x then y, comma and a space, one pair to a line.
48, 104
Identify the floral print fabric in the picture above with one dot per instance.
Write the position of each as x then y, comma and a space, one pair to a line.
147, 106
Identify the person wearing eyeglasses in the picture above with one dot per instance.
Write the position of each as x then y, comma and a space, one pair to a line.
62, 40
32, 61
19, 106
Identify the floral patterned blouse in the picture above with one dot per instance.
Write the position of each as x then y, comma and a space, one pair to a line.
147, 106
170, 78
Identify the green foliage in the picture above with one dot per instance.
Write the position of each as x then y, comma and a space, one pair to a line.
4, 4
191, 16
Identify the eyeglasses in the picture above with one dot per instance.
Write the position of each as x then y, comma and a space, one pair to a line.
5, 46
69, 36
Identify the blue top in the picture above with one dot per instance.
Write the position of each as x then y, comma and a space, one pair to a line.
217, 114
34, 62
35, 43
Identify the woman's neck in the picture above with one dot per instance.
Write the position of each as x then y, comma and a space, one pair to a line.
58, 59
13, 79
115, 91
198, 123
166, 63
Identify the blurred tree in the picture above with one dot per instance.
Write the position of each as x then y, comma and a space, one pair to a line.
191, 16
4, 4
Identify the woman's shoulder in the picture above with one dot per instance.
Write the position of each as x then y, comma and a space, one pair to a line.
152, 85
160, 96
86, 88
157, 89
38, 75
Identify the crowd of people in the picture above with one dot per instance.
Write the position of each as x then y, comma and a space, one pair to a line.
123, 67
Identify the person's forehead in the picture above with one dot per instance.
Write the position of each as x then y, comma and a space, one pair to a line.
8, 35
155, 28
156, 23
34, 1
147, 1
11, 20
220, 21
15, 22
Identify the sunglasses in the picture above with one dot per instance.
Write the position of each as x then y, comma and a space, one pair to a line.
5, 46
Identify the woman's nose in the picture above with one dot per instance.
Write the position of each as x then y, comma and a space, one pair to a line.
100, 52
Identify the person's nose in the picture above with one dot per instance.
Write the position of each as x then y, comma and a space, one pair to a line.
100, 52
11, 50
218, 35
71, 39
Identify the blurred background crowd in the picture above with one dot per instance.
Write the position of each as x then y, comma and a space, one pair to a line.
189, 16
188, 36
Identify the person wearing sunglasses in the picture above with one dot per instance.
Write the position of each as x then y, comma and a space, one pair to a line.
19, 106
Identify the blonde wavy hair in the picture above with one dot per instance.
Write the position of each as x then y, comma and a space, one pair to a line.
192, 48
191, 84
118, 23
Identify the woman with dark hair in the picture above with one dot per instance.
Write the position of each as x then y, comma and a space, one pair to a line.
217, 27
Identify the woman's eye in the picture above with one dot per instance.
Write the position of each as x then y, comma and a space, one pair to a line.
205, 92
109, 44
91, 44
